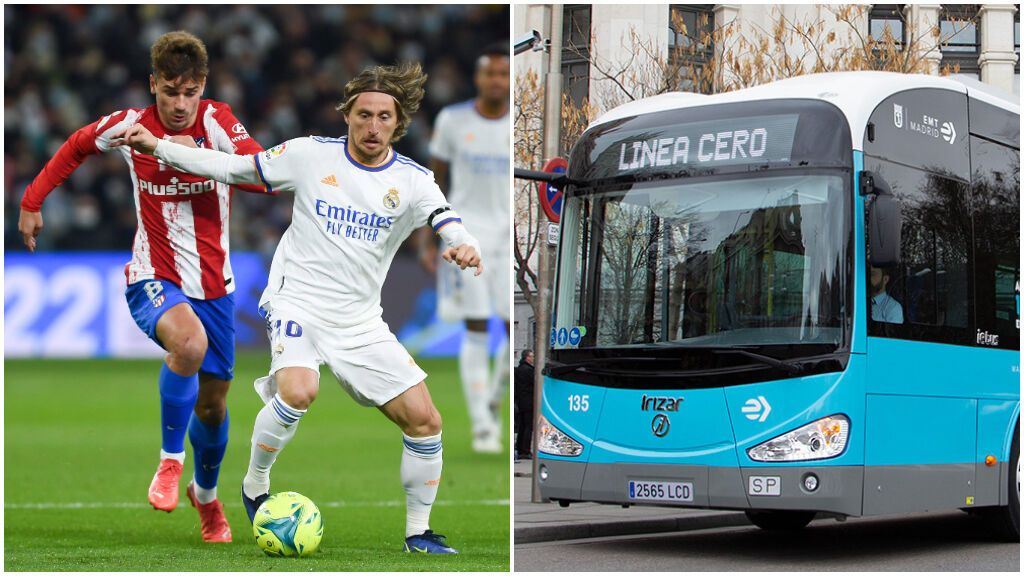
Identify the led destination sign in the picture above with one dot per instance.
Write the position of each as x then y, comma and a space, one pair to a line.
702, 140
715, 143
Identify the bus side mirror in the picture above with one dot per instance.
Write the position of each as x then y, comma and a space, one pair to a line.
885, 222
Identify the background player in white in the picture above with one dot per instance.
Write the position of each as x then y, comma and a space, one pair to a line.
356, 200
471, 145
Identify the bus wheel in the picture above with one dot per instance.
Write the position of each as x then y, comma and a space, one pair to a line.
780, 519
1006, 519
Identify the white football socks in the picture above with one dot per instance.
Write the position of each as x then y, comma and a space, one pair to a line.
474, 369
421, 475
179, 456
499, 381
205, 496
275, 425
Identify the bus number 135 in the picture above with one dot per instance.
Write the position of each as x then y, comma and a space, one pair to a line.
579, 403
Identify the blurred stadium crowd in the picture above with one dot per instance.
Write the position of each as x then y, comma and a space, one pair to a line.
281, 68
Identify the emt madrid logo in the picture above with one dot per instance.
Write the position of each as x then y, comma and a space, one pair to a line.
391, 200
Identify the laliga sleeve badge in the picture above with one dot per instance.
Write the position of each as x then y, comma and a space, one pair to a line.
391, 200
274, 152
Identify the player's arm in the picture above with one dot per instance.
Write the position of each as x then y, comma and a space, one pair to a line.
237, 141
462, 249
84, 142
271, 168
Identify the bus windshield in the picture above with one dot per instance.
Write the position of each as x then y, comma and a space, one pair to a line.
725, 261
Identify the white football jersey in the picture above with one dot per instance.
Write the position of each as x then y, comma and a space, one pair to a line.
348, 222
478, 151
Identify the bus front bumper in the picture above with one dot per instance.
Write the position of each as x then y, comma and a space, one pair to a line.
837, 489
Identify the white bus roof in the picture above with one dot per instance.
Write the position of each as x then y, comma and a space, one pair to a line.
855, 93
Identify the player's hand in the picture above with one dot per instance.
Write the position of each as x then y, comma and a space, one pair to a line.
186, 141
428, 258
138, 137
464, 256
30, 224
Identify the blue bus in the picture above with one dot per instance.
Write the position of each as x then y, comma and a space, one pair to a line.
793, 299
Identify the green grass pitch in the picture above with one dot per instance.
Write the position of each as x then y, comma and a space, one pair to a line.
82, 440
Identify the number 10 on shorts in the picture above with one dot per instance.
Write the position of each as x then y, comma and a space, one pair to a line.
291, 329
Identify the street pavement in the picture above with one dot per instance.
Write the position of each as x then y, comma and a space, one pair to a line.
601, 537
548, 521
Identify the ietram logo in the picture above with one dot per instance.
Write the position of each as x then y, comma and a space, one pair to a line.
660, 425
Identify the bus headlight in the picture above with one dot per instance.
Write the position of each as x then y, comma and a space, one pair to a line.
824, 438
554, 441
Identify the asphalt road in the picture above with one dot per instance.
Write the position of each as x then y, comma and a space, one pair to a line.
930, 542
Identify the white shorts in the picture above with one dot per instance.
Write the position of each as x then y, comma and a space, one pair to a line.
370, 364
463, 296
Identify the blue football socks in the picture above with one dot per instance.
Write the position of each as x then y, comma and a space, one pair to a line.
177, 400
208, 445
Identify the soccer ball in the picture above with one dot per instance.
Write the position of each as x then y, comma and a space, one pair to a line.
288, 524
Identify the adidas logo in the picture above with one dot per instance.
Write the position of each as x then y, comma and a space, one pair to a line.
330, 181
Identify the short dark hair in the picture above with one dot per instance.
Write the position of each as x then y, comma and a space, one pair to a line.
179, 54
496, 49
524, 354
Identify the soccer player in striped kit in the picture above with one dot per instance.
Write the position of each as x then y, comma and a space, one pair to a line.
179, 279
356, 201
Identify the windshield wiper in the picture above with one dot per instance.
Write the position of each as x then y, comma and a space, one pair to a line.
787, 366
555, 370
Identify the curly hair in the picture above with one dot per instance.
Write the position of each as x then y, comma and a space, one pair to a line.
403, 82
179, 55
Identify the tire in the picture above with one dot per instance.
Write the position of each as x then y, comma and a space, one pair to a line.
1005, 520
780, 520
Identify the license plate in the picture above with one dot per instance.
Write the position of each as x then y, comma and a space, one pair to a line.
659, 491
764, 486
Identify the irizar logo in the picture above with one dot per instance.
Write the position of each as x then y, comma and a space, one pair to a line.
660, 425
660, 403
757, 409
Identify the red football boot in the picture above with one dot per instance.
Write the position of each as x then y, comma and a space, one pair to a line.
163, 491
211, 517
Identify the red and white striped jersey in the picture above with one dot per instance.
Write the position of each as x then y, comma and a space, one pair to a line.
183, 219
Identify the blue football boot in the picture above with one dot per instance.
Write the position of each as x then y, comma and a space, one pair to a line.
253, 504
429, 543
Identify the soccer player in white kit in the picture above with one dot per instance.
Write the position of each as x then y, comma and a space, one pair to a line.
356, 200
471, 144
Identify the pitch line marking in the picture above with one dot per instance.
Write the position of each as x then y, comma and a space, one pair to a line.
337, 504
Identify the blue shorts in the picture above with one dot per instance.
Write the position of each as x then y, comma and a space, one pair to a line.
149, 299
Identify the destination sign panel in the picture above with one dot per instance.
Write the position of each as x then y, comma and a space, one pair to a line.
701, 140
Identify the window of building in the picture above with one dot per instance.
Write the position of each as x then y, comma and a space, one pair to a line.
576, 52
960, 38
690, 29
889, 16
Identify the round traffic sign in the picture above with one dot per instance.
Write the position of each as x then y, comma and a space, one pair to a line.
550, 195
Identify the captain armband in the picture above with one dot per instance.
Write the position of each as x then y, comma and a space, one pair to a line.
442, 217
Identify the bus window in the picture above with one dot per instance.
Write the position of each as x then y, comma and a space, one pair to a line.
995, 185
926, 297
